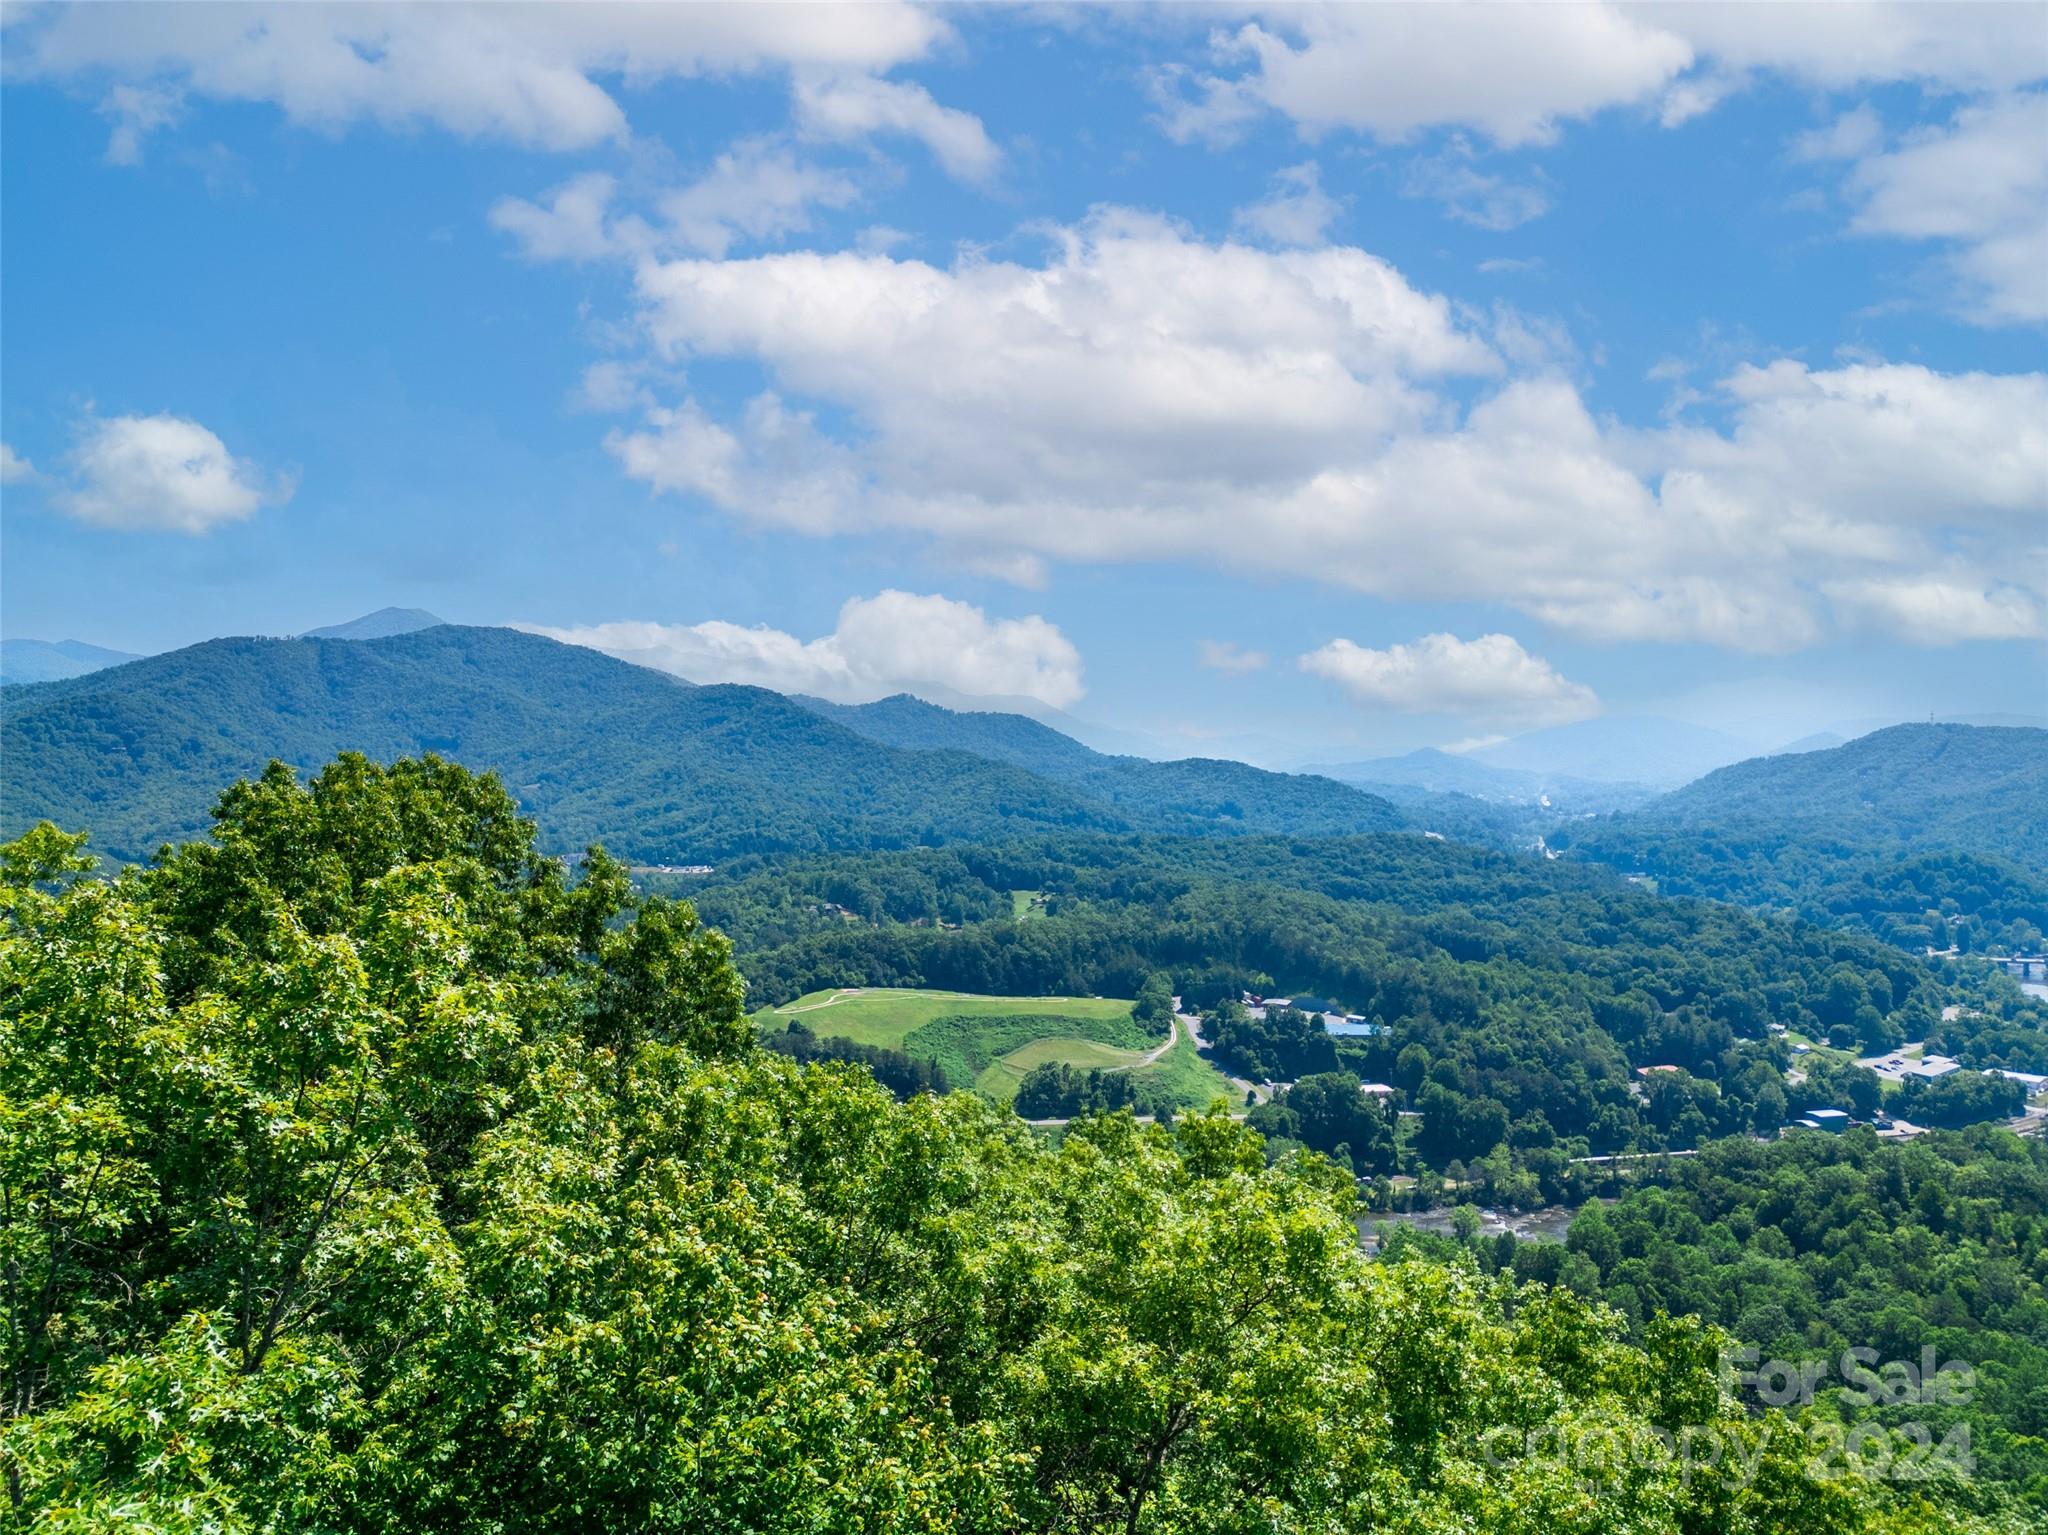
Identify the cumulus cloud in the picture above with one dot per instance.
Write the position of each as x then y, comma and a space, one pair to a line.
162, 473
14, 469
854, 107
521, 73
1979, 183
1222, 656
1491, 679
1509, 72
1514, 74
889, 643
1942, 611
1142, 395
1297, 212
1134, 361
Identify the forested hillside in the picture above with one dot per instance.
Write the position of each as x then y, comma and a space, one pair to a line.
365, 1172
592, 747
1203, 788
1969, 788
1926, 835
1517, 997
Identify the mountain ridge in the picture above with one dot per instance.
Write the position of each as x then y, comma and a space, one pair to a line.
594, 747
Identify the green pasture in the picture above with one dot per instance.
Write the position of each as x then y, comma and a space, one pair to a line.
886, 1015
989, 1043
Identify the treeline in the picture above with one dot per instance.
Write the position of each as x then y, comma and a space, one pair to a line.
1056, 1090
1977, 902
902, 1073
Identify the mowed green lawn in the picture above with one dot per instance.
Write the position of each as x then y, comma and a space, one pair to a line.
884, 1015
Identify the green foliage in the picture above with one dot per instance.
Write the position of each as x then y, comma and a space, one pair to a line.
903, 1074
362, 1172
1527, 994
1328, 1113
1806, 1247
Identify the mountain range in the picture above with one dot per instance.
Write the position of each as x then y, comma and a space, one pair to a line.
1978, 788
51, 660
595, 748
380, 625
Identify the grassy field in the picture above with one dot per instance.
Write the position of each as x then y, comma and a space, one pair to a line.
1187, 1077
1000, 1077
1027, 903
885, 1016
989, 1043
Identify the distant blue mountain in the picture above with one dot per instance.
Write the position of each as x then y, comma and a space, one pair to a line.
380, 625
54, 660
1431, 771
1639, 749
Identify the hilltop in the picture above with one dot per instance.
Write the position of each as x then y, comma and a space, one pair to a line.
593, 747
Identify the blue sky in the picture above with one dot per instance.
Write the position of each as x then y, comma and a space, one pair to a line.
1275, 381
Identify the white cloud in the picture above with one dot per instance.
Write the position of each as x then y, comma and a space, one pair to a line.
1297, 212
889, 643
1492, 679
772, 465
1941, 611
757, 190
1980, 182
569, 226
1472, 196
136, 112
1141, 395
611, 386
522, 73
1947, 47
1852, 135
14, 469
1222, 656
1515, 73
854, 107
1510, 72
162, 473
1135, 359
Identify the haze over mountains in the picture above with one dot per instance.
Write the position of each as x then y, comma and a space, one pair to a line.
1974, 787
379, 625
27, 660
51, 660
